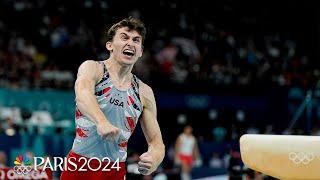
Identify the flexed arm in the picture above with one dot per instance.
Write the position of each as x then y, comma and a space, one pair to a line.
88, 75
150, 160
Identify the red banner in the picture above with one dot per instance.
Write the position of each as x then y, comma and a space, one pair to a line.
9, 173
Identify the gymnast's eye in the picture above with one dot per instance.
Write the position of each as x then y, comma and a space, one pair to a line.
136, 40
123, 37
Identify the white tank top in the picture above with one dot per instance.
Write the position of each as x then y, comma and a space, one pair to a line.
187, 144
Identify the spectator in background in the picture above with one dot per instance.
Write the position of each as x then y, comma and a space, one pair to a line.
186, 151
10, 127
252, 129
3, 159
269, 129
235, 165
215, 161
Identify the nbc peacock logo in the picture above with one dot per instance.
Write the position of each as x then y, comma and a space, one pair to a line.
22, 164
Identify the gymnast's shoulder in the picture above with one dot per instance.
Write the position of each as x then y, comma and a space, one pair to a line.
146, 93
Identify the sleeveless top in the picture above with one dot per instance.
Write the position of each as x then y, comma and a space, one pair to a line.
187, 144
121, 108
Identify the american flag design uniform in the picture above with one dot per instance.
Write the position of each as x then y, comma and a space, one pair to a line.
122, 109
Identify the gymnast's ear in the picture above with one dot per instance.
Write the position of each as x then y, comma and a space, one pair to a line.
109, 46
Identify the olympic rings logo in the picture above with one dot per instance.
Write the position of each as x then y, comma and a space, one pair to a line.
301, 157
22, 169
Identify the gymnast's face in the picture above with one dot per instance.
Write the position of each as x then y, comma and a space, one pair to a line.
188, 130
126, 46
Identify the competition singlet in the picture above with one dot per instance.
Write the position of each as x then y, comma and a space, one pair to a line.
121, 108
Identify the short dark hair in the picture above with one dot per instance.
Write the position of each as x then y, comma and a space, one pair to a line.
130, 22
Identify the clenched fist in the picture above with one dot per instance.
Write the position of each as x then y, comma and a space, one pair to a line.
146, 163
107, 130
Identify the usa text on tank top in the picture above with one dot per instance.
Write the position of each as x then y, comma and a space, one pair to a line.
121, 108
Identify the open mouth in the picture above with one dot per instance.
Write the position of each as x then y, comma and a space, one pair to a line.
128, 52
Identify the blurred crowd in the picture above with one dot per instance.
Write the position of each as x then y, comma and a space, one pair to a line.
41, 45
